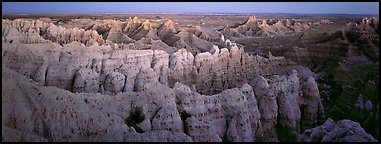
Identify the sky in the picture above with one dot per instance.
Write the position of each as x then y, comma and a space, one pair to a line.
371, 8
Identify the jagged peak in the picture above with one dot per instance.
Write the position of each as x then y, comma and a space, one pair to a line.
146, 24
169, 23
252, 19
279, 23
264, 22
135, 20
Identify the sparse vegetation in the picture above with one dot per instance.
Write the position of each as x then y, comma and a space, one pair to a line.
136, 117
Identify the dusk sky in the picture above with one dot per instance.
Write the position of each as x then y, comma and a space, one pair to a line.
221, 7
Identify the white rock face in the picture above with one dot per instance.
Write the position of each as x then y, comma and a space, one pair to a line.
288, 98
114, 82
128, 87
180, 65
200, 131
23, 31
27, 58
180, 87
39, 74
86, 80
254, 115
160, 64
167, 118
240, 129
146, 75
62, 35
61, 75
268, 108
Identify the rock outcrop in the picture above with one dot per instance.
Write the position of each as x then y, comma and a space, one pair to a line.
209, 73
62, 35
114, 82
340, 131
268, 107
253, 27
313, 110
238, 114
115, 35
86, 80
23, 31
200, 131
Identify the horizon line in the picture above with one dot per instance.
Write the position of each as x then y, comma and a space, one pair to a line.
206, 13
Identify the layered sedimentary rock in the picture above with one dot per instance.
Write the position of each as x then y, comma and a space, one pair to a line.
62, 35
72, 57
233, 115
135, 30
115, 35
199, 93
343, 58
318, 57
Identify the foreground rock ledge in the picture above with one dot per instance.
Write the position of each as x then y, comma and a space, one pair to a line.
38, 113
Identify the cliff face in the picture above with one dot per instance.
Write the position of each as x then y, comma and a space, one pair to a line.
247, 113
